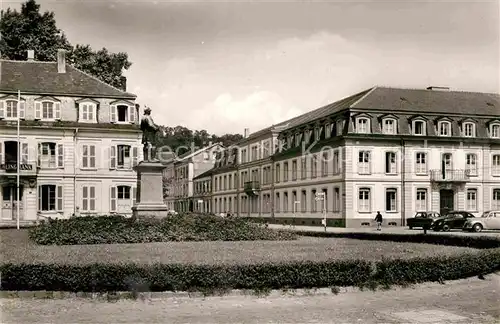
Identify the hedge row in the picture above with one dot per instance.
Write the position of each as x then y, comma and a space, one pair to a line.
294, 275
477, 242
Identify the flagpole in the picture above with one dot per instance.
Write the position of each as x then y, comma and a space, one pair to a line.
18, 153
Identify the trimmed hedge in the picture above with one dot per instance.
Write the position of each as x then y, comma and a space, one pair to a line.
118, 229
477, 242
189, 277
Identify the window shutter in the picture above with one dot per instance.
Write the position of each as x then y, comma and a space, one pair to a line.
92, 198
1, 152
57, 110
85, 200
60, 156
85, 154
59, 197
2, 109
134, 156
131, 113
22, 109
112, 195
134, 195
92, 157
38, 110
39, 155
112, 114
112, 157
24, 153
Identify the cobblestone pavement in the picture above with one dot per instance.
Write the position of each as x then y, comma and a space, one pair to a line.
397, 230
463, 301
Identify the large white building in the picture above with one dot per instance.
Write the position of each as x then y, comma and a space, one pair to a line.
392, 150
79, 140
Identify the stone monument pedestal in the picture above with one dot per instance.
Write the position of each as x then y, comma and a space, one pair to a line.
149, 191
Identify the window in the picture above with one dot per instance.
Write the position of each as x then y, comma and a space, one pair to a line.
47, 110
336, 163
277, 202
418, 127
285, 172
340, 127
390, 200
88, 199
421, 204
469, 129
447, 161
266, 150
50, 155
10, 110
362, 125
230, 181
122, 113
324, 164
495, 165
444, 128
125, 157
390, 163
471, 200
294, 170
314, 166
421, 163
471, 164
314, 202
278, 173
303, 168
495, 130
324, 203
336, 199
88, 156
389, 126
328, 130
496, 199
254, 153
244, 156
87, 112
50, 198
303, 201
285, 202
123, 197
298, 139
364, 200
364, 162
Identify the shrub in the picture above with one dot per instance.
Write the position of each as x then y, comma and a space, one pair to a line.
189, 277
477, 242
118, 229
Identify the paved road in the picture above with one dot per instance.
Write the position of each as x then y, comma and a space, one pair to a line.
398, 230
464, 301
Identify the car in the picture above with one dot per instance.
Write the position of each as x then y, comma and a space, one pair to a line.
452, 220
489, 220
422, 219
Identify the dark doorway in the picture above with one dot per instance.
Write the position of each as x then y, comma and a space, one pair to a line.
446, 200
10, 152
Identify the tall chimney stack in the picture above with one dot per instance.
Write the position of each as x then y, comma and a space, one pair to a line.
246, 132
61, 61
31, 55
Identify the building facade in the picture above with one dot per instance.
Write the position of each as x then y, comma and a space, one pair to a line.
397, 151
185, 168
79, 140
202, 196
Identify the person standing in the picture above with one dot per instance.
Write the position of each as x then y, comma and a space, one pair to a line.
379, 219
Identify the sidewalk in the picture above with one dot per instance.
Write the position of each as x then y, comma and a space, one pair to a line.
392, 230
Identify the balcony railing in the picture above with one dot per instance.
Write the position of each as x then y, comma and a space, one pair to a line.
252, 187
450, 175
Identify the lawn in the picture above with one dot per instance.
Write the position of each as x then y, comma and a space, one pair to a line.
15, 247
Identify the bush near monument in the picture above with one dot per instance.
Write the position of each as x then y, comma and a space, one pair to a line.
118, 229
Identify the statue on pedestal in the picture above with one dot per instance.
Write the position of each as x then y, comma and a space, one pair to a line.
149, 129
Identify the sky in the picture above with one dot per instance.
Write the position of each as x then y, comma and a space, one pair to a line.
227, 66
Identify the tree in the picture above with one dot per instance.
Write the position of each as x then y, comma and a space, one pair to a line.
31, 30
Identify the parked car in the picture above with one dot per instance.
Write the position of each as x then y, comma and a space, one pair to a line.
422, 219
452, 220
489, 220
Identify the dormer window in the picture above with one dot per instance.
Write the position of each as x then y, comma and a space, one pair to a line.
444, 128
87, 112
47, 109
362, 125
495, 130
469, 129
9, 109
328, 130
122, 112
419, 128
340, 127
389, 126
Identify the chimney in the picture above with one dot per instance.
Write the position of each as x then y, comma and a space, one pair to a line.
31, 55
438, 88
61, 61
123, 83
246, 132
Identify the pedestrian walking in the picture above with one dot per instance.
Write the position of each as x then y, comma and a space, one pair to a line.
378, 219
